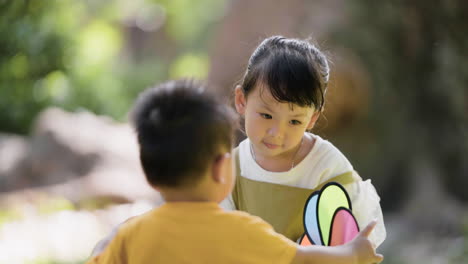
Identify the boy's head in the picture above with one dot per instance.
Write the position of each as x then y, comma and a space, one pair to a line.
181, 132
293, 70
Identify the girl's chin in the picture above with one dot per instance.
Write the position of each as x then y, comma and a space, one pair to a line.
267, 152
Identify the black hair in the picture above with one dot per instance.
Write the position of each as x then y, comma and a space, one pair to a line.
181, 129
294, 70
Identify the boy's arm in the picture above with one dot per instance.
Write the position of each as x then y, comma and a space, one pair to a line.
113, 252
358, 251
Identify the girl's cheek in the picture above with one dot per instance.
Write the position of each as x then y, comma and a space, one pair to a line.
257, 117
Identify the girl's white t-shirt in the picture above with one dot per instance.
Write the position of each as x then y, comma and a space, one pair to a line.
322, 163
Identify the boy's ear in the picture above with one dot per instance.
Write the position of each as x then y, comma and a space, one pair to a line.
239, 100
217, 169
313, 120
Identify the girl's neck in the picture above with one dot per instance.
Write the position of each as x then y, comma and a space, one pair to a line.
285, 162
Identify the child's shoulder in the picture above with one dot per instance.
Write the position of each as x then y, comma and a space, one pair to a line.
323, 144
135, 221
247, 220
325, 160
241, 216
324, 148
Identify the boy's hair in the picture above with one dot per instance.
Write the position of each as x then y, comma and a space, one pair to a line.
181, 129
294, 70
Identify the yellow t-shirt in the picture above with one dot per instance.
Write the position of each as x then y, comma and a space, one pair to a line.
196, 232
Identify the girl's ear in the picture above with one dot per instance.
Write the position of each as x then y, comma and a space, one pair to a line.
239, 100
313, 120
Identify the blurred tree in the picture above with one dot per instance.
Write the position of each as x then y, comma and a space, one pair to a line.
33, 46
96, 55
411, 57
241, 31
56, 54
416, 53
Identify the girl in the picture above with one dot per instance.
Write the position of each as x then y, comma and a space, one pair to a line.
280, 163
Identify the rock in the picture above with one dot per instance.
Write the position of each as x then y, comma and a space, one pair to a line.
13, 152
77, 155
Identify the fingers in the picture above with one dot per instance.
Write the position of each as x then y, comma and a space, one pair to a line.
379, 258
368, 229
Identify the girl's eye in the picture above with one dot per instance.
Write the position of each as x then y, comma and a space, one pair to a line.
266, 116
295, 122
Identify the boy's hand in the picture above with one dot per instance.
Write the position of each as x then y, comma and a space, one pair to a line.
362, 247
359, 251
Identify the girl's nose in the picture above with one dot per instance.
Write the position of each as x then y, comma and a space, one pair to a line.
276, 131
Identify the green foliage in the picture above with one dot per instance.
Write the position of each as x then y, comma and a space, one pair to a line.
9, 215
52, 205
35, 46
188, 20
96, 55
192, 65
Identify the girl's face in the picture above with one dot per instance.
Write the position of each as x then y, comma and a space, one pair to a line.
274, 128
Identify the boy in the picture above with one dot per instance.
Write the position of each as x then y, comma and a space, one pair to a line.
185, 139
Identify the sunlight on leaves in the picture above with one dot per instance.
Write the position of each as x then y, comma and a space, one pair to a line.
54, 86
190, 65
54, 204
99, 43
188, 19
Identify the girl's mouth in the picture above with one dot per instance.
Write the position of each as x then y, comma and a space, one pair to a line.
271, 146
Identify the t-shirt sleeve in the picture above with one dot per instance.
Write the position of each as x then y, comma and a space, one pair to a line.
114, 252
366, 207
266, 245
